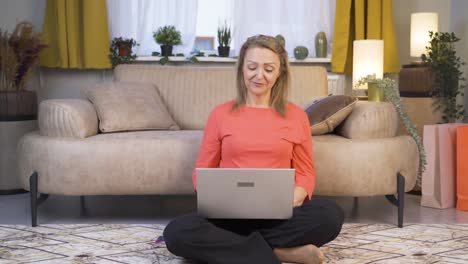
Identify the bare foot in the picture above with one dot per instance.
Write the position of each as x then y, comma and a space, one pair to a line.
307, 254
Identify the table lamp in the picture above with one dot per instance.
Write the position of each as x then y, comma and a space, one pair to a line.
421, 24
415, 79
368, 58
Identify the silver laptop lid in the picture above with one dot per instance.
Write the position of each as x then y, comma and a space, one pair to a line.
245, 193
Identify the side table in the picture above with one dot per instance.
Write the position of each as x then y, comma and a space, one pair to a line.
10, 134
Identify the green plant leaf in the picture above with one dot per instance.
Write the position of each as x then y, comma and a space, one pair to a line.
164, 60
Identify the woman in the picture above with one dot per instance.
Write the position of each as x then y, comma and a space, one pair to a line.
259, 129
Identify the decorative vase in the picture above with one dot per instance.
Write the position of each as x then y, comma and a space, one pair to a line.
281, 39
301, 52
223, 51
374, 92
166, 50
321, 45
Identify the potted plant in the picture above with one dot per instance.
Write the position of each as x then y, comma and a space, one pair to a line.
388, 88
224, 40
19, 53
167, 37
120, 51
448, 78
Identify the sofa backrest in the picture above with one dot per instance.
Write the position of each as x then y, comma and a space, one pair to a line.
191, 92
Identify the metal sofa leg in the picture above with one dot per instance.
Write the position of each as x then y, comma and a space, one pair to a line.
82, 205
35, 201
400, 202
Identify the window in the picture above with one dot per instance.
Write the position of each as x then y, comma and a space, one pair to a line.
297, 20
211, 14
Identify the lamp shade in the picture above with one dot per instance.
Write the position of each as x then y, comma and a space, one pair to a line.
368, 58
421, 24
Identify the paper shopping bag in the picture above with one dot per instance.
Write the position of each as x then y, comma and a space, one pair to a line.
462, 168
438, 180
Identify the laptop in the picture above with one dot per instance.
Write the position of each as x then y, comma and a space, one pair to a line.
237, 193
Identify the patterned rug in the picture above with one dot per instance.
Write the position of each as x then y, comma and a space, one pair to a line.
111, 244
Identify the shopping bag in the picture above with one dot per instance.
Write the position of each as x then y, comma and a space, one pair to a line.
438, 187
462, 168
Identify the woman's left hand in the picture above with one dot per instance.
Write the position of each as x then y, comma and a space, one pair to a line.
299, 195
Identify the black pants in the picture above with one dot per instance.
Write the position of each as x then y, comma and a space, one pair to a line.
210, 241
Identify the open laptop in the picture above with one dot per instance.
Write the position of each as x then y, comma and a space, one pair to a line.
236, 193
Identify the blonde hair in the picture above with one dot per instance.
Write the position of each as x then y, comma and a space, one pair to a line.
279, 91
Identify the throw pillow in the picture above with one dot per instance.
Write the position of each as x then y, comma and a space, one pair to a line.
327, 113
125, 106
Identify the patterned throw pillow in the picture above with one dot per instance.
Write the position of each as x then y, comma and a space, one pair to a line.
326, 113
126, 106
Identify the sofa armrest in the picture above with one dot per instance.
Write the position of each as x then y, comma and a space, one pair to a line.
370, 120
67, 118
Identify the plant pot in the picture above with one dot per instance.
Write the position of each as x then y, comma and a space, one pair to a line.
223, 51
166, 50
125, 49
374, 92
18, 105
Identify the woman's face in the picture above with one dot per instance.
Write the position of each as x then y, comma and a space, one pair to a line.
261, 70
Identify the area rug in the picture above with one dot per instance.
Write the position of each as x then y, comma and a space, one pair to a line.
111, 244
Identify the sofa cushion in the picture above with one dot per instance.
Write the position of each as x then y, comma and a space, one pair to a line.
191, 92
370, 120
136, 162
126, 106
326, 113
72, 118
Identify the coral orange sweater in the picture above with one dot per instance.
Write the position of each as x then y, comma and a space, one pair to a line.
258, 138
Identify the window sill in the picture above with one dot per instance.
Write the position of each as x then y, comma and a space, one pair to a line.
229, 60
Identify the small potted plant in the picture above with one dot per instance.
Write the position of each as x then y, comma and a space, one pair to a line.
167, 37
120, 51
224, 40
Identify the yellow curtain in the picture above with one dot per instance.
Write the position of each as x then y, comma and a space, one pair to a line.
77, 34
363, 19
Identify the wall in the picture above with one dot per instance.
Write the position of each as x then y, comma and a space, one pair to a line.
49, 83
402, 10
459, 25
452, 18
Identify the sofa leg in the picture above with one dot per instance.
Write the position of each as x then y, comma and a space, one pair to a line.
35, 201
82, 205
400, 202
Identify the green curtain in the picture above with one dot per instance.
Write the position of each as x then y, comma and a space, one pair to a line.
77, 34
363, 19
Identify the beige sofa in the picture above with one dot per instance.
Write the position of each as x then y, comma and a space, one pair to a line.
362, 158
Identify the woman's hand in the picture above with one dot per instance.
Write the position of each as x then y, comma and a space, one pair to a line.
299, 195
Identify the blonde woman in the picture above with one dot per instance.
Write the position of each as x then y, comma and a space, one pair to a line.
259, 129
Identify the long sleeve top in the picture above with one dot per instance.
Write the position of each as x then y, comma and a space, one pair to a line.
253, 137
